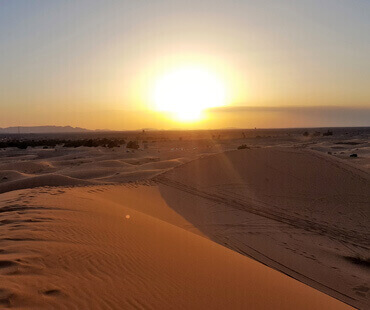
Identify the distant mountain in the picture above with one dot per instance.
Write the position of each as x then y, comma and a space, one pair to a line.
43, 129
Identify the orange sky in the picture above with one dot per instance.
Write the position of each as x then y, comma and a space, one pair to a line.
94, 65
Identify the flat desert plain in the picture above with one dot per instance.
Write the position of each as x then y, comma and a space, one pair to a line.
188, 222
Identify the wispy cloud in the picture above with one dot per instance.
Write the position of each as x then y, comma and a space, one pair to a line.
292, 116
292, 109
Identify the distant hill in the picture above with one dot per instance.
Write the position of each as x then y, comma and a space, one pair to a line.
44, 129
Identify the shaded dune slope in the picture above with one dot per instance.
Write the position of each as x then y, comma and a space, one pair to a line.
303, 213
281, 181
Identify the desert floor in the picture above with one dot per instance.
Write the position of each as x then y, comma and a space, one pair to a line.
188, 223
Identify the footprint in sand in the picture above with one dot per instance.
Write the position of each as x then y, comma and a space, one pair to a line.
361, 290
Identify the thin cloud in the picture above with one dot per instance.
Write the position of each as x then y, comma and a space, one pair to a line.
294, 116
310, 109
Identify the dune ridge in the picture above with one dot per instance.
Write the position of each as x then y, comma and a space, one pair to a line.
75, 236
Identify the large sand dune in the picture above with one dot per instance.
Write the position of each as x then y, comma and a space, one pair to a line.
301, 212
181, 237
74, 249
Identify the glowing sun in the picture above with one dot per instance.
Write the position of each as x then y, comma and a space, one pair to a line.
186, 92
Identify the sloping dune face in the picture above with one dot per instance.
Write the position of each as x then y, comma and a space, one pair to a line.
74, 249
297, 211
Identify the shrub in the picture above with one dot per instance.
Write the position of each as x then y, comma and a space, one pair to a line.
242, 147
328, 133
132, 145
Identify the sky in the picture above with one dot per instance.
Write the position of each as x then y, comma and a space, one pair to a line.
94, 64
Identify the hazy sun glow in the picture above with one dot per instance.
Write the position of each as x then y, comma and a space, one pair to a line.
186, 92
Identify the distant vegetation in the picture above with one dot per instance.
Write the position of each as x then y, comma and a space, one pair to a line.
132, 145
94, 143
328, 133
318, 133
24, 144
242, 147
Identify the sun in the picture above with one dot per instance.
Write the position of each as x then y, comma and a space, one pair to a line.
187, 91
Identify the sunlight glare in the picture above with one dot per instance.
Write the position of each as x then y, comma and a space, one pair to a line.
187, 92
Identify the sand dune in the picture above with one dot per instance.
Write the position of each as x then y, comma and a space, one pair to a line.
301, 212
124, 177
112, 164
142, 160
28, 167
164, 164
342, 148
11, 175
304, 213
81, 166
92, 173
195, 218
119, 171
42, 180
74, 249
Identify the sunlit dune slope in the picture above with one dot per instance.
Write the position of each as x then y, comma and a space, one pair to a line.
74, 249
